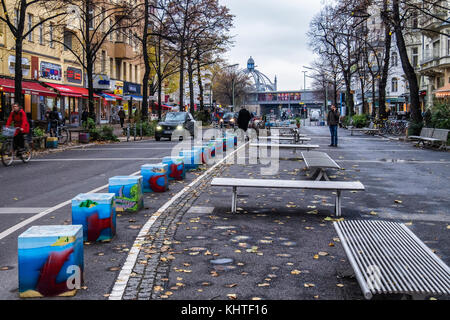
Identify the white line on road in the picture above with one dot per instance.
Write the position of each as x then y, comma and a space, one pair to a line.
94, 159
119, 149
21, 210
124, 275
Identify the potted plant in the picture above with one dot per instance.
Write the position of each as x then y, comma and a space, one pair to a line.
38, 138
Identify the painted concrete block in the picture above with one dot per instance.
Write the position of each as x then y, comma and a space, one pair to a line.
51, 142
205, 150
192, 158
176, 167
128, 193
96, 213
50, 261
155, 177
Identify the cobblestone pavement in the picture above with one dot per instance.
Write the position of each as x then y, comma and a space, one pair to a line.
281, 245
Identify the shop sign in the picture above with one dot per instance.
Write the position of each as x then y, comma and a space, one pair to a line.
51, 71
117, 87
132, 88
25, 65
74, 75
102, 82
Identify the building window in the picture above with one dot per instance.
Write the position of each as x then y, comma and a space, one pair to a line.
448, 46
415, 57
67, 40
103, 62
436, 49
91, 18
129, 73
394, 85
30, 26
394, 59
136, 74
16, 18
125, 71
111, 66
50, 34
110, 28
41, 33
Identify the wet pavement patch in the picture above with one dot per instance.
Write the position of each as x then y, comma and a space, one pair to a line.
221, 261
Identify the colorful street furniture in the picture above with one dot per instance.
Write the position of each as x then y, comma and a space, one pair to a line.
128, 193
96, 213
176, 167
192, 158
155, 177
50, 261
51, 142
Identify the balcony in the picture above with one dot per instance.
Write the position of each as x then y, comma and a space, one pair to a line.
122, 50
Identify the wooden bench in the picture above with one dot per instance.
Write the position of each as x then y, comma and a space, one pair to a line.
439, 137
367, 130
387, 258
286, 145
337, 186
319, 161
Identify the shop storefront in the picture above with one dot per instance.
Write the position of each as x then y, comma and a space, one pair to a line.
111, 105
72, 100
132, 97
35, 98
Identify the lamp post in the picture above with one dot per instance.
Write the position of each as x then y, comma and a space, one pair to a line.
326, 88
304, 79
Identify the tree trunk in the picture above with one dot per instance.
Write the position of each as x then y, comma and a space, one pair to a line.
18, 75
146, 63
191, 86
373, 97
385, 71
182, 76
416, 115
200, 84
160, 81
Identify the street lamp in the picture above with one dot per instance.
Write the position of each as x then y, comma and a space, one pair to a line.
304, 79
326, 88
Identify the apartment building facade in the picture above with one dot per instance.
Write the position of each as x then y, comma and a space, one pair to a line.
54, 77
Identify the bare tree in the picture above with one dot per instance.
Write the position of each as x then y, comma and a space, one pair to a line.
228, 78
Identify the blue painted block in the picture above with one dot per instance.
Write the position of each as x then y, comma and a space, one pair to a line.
51, 142
155, 177
96, 213
205, 150
191, 158
219, 145
212, 146
50, 261
128, 193
230, 142
176, 167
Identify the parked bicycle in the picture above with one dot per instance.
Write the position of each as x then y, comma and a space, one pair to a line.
8, 152
61, 132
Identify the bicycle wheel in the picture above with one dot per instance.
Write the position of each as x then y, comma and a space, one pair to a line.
26, 153
63, 136
7, 153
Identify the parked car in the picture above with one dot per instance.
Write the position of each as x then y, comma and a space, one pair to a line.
229, 119
175, 123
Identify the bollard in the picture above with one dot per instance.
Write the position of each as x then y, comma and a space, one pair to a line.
191, 158
176, 167
128, 132
50, 261
155, 177
96, 213
128, 193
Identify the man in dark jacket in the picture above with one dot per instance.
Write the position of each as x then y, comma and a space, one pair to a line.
243, 119
333, 122
121, 115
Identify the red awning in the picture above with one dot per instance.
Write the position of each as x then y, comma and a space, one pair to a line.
71, 91
28, 87
163, 106
113, 95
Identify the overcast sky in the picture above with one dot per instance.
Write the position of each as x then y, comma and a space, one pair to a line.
273, 32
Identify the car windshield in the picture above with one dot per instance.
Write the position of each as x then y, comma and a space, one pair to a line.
175, 116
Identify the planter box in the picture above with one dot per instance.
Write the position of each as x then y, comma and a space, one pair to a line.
155, 177
83, 137
50, 261
96, 213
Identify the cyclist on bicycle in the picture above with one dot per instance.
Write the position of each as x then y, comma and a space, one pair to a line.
19, 117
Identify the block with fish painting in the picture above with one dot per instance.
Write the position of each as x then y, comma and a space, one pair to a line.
96, 213
192, 158
50, 261
155, 177
176, 167
128, 193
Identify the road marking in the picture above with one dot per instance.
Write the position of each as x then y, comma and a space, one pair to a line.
95, 159
125, 273
119, 149
20, 210
26, 222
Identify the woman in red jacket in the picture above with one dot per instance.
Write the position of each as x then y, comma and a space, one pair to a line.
19, 117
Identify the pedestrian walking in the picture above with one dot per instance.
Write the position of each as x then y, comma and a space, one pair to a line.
121, 115
84, 117
333, 122
243, 119
54, 118
47, 117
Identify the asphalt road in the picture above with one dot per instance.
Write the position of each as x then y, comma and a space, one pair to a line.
50, 180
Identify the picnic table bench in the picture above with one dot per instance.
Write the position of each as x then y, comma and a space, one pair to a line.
320, 161
388, 258
337, 186
432, 136
368, 130
285, 145
284, 138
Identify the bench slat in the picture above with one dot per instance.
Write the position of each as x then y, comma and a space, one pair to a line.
276, 145
388, 258
295, 184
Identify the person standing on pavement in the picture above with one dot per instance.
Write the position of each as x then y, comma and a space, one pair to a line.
243, 119
121, 115
84, 117
333, 122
